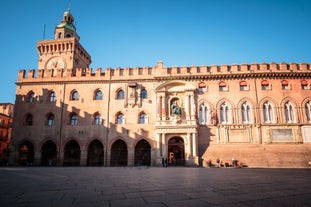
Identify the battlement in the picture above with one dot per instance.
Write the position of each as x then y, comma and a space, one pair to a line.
158, 71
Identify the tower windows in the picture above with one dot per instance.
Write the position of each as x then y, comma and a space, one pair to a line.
304, 85
223, 86
31, 97
243, 86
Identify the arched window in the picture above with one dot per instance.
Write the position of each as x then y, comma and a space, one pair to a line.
285, 85
202, 87
246, 113
29, 120
73, 119
120, 94
204, 114
75, 95
31, 97
223, 86
50, 120
97, 119
304, 85
143, 118
143, 94
224, 113
52, 96
265, 85
120, 118
308, 111
98, 95
267, 112
243, 86
289, 112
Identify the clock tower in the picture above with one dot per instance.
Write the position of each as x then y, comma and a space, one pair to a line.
65, 51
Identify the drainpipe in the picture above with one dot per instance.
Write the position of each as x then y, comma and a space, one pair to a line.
108, 122
61, 124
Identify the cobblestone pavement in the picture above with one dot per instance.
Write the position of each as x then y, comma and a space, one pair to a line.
143, 186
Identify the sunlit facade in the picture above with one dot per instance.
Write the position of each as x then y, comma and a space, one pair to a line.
69, 114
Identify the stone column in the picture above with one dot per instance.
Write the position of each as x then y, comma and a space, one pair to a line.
194, 144
187, 107
164, 146
159, 114
192, 107
189, 143
83, 158
163, 112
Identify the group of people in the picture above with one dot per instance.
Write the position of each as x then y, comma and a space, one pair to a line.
235, 163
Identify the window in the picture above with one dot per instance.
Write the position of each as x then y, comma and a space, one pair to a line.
120, 118
31, 97
75, 95
202, 87
265, 85
308, 111
50, 119
304, 85
120, 94
289, 112
73, 119
204, 114
246, 113
267, 112
98, 95
29, 120
223, 86
97, 119
142, 118
224, 113
143, 94
285, 85
52, 96
243, 86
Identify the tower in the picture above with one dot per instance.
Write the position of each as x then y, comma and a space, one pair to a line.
65, 51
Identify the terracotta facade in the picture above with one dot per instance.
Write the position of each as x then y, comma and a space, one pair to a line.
69, 114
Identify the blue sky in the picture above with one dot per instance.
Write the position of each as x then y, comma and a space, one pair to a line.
129, 33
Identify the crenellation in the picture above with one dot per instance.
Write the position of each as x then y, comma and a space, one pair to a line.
146, 72
264, 67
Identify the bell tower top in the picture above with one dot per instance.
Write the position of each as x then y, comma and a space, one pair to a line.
64, 51
66, 27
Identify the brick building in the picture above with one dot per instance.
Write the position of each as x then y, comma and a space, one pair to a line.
69, 114
6, 118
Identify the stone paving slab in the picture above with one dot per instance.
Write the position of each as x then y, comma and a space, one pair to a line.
153, 187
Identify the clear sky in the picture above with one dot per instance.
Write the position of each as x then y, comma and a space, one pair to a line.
130, 33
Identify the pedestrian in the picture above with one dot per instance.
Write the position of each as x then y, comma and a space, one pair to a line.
163, 162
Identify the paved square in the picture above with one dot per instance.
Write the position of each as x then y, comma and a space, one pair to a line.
143, 186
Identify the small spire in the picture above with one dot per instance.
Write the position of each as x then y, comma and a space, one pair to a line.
69, 6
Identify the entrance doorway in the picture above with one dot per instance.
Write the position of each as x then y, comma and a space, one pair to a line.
95, 154
72, 154
48, 154
176, 151
142, 153
26, 153
118, 153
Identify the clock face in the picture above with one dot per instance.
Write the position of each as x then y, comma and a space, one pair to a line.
56, 63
